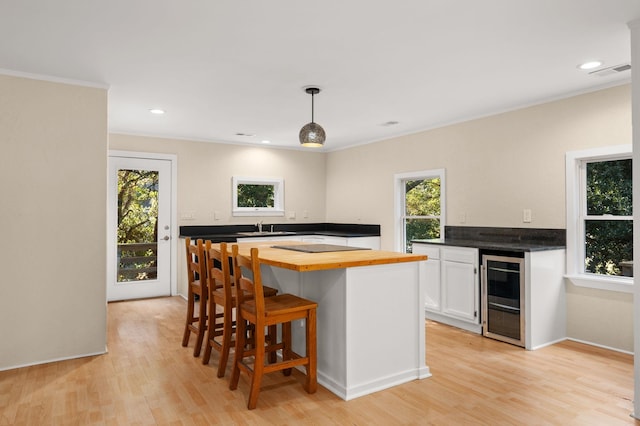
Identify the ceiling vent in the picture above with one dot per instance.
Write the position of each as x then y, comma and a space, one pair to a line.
611, 70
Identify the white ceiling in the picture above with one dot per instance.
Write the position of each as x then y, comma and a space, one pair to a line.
222, 67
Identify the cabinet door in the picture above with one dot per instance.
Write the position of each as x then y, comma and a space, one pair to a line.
372, 243
267, 238
460, 290
430, 276
324, 239
431, 271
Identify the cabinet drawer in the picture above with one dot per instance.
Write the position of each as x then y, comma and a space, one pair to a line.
459, 254
431, 251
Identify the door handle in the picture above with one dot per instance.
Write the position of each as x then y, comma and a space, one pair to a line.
166, 238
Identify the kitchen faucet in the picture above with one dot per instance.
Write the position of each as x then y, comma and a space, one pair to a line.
259, 225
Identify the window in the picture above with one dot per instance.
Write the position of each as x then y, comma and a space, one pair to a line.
258, 196
419, 207
600, 218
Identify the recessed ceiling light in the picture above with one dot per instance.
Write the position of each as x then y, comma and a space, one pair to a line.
156, 111
266, 141
590, 65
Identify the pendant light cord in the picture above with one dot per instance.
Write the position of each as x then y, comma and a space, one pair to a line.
312, 106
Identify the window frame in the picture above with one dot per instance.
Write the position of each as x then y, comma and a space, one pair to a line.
576, 214
278, 196
399, 179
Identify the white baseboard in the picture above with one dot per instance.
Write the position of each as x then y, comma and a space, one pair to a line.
600, 346
31, 364
465, 325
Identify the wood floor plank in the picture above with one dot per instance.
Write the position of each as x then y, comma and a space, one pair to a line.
148, 378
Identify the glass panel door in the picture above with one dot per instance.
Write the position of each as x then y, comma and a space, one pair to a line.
139, 231
137, 225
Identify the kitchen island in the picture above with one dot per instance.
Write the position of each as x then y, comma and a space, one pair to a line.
370, 318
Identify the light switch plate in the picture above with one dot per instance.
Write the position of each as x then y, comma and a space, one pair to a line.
526, 215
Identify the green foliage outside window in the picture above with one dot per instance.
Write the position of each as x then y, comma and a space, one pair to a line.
137, 224
608, 241
422, 210
255, 195
137, 206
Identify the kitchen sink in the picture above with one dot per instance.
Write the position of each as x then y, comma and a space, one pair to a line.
264, 233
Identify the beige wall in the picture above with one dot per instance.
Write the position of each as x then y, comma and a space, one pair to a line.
53, 214
600, 316
205, 171
496, 167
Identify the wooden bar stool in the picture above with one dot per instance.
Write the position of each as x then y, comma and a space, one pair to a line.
222, 294
197, 285
264, 312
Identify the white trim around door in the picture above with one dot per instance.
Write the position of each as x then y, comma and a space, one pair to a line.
174, 232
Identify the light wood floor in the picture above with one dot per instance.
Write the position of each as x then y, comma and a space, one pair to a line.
147, 378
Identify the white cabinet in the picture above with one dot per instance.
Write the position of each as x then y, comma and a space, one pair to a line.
324, 239
268, 238
430, 275
451, 283
372, 243
460, 285
363, 242
545, 298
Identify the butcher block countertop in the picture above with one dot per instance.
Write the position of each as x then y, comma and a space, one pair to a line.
303, 262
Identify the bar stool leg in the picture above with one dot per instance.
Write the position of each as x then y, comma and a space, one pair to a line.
227, 331
241, 342
286, 349
272, 339
258, 369
187, 331
202, 325
311, 383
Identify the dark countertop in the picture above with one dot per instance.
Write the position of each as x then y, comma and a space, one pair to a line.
230, 233
515, 240
493, 245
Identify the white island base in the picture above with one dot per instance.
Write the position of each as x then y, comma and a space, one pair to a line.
370, 324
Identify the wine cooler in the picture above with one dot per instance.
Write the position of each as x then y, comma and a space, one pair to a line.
503, 298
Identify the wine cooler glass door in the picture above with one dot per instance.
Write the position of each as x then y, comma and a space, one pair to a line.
503, 302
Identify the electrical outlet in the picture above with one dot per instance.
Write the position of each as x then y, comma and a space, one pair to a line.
526, 215
462, 218
292, 214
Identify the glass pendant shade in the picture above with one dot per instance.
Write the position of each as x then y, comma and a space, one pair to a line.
312, 135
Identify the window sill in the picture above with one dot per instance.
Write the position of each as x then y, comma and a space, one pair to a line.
619, 284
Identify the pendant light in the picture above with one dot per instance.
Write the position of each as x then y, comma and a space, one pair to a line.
312, 134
